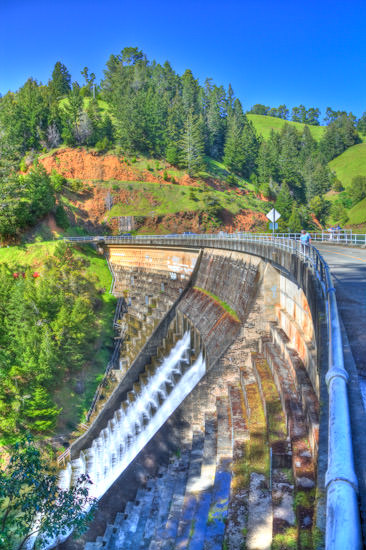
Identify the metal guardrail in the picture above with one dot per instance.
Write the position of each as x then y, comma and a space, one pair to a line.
335, 237
343, 520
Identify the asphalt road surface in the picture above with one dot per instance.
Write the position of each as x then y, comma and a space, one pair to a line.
348, 268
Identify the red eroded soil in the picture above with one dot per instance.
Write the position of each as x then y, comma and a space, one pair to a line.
89, 166
245, 220
316, 221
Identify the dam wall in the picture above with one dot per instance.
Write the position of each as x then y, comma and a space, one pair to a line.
259, 322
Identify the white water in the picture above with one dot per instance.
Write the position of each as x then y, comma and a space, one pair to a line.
135, 423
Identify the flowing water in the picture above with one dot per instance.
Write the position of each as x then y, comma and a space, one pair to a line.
137, 420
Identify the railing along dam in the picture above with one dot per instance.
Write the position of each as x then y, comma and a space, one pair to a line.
198, 276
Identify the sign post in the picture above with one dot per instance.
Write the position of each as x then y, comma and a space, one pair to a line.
273, 216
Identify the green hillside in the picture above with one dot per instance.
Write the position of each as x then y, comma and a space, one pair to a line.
349, 164
35, 257
264, 124
158, 200
357, 214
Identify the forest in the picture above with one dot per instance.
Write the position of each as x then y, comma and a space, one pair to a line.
143, 107
47, 326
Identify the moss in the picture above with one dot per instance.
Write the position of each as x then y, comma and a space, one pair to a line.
306, 540
305, 499
223, 304
286, 540
276, 419
318, 539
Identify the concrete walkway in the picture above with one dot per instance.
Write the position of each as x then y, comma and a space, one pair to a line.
348, 268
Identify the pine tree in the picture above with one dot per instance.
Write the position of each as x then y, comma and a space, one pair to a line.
61, 80
284, 202
215, 119
192, 145
294, 222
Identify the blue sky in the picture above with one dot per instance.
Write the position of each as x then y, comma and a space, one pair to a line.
272, 52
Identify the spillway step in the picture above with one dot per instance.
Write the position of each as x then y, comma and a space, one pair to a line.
134, 537
199, 523
217, 515
171, 490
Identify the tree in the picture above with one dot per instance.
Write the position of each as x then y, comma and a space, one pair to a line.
242, 143
339, 135
361, 124
283, 112
320, 207
33, 505
317, 178
215, 119
339, 213
89, 81
259, 109
267, 160
60, 83
284, 202
294, 222
312, 116
357, 189
191, 145
73, 110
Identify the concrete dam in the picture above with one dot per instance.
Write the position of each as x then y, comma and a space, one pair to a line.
208, 432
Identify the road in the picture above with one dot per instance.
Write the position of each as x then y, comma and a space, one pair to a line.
348, 268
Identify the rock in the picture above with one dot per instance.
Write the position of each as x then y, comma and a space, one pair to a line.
305, 482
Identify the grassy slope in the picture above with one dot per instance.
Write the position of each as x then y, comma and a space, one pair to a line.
169, 199
357, 214
34, 255
264, 124
349, 164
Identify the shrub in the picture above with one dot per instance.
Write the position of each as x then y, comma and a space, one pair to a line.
165, 176
75, 185
23, 165
232, 180
357, 190
57, 180
61, 217
103, 145
337, 186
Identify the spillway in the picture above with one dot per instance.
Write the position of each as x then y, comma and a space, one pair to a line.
137, 420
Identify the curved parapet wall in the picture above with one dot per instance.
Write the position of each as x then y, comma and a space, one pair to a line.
168, 264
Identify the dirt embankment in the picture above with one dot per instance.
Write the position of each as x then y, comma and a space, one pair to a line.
88, 207
91, 166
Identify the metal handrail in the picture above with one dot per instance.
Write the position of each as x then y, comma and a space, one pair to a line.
343, 237
342, 518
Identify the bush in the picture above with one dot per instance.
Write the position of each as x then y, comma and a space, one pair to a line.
57, 180
232, 180
103, 145
75, 185
23, 165
61, 217
337, 186
357, 190
165, 176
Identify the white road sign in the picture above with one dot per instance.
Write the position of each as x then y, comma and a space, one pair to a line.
273, 215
